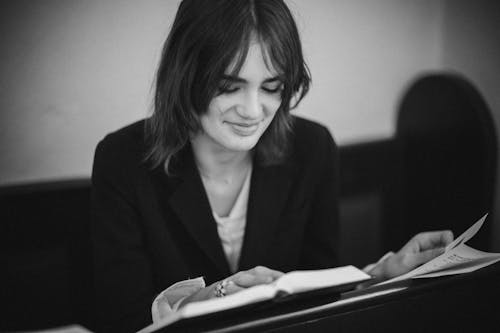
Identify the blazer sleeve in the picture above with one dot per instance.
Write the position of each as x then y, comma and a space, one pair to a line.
123, 278
321, 235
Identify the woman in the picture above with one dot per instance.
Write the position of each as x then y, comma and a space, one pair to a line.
221, 178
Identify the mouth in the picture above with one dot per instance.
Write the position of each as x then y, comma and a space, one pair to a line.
242, 128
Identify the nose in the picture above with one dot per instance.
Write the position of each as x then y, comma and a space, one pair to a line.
252, 107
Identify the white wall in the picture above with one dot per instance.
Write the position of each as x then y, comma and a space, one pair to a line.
362, 54
72, 71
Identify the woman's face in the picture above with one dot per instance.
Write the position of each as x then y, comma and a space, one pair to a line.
244, 106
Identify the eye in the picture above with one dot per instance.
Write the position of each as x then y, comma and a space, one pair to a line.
228, 90
272, 89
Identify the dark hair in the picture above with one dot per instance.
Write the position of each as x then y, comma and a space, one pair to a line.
206, 37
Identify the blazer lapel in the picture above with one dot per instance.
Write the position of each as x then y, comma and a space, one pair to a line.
189, 201
269, 190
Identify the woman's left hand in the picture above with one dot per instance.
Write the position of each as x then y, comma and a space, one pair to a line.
420, 249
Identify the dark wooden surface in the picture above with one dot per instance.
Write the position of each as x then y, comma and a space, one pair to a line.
461, 303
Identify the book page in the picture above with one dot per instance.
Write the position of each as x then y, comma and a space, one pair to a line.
246, 296
293, 282
301, 281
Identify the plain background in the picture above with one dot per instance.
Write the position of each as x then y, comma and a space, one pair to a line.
72, 71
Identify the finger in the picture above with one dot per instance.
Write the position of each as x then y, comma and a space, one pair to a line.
247, 279
428, 240
262, 270
420, 258
448, 237
232, 288
433, 239
255, 276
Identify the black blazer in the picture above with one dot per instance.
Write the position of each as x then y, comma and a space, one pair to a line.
150, 230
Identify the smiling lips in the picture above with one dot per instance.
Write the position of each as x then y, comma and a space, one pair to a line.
242, 128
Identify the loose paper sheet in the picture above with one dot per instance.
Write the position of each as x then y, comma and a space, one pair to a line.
457, 258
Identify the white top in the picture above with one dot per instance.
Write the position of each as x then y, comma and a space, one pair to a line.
231, 230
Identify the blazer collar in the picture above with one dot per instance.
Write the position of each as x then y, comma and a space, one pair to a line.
190, 202
269, 189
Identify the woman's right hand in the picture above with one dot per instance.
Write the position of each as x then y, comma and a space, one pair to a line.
237, 282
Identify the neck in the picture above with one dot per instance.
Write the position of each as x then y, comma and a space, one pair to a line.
217, 163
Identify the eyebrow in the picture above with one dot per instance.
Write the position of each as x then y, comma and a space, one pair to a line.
237, 79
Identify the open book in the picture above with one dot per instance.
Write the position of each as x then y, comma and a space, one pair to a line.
331, 280
457, 258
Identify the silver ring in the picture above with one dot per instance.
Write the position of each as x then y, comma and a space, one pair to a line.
220, 288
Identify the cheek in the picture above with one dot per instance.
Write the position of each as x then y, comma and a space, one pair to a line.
215, 108
221, 104
271, 105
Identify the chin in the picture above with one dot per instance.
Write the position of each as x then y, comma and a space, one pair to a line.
242, 147
242, 144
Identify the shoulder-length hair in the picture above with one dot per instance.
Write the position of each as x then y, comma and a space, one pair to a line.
207, 36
